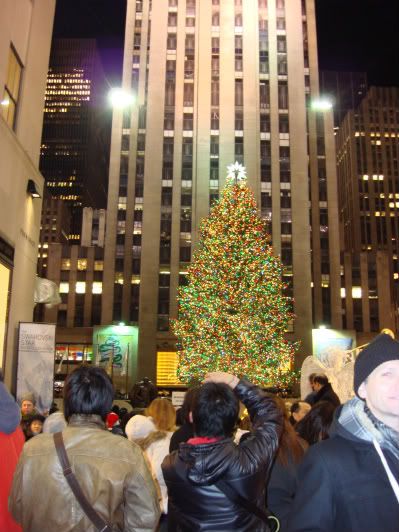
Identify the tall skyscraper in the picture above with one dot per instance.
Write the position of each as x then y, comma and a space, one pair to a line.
76, 127
214, 82
368, 177
25, 39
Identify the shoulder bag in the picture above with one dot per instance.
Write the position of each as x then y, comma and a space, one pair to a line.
100, 524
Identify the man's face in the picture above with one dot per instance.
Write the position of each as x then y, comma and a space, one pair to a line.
317, 386
26, 407
301, 413
381, 392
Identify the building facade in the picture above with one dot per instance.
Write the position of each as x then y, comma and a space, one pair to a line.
368, 176
75, 140
25, 38
214, 82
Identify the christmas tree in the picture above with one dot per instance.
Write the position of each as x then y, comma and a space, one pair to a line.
232, 312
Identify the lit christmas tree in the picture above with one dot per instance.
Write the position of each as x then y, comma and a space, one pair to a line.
232, 312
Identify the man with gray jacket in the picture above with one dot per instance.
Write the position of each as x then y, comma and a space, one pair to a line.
110, 470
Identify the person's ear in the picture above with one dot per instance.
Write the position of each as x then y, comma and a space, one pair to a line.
190, 417
362, 392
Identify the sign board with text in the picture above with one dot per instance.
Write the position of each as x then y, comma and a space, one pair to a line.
36, 349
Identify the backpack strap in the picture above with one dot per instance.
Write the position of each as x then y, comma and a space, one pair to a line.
249, 506
100, 524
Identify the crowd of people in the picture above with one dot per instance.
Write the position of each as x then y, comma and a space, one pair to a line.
233, 457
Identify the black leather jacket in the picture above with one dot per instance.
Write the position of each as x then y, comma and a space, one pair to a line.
195, 503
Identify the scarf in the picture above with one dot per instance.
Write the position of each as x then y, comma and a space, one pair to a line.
357, 419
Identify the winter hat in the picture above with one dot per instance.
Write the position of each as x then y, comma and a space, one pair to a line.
112, 418
139, 427
28, 396
382, 349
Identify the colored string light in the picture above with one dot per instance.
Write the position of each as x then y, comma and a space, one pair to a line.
233, 313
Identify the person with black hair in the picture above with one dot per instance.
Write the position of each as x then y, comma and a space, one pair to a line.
324, 391
186, 430
298, 411
207, 475
315, 425
111, 471
35, 426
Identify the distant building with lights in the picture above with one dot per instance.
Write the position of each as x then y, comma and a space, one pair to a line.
25, 39
215, 82
368, 178
75, 140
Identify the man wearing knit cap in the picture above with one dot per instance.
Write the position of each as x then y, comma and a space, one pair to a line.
350, 482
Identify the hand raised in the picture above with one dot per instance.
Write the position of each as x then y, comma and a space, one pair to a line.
222, 377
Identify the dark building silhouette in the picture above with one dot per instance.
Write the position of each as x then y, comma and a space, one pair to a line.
346, 90
76, 129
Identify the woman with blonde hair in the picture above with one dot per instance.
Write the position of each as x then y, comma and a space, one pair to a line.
163, 414
153, 434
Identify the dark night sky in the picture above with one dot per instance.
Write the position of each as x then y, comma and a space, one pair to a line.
358, 35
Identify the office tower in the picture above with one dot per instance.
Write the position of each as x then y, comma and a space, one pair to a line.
54, 227
214, 82
346, 89
25, 38
75, 138
368, 177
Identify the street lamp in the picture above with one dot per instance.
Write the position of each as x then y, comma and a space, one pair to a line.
321, 104
120, 98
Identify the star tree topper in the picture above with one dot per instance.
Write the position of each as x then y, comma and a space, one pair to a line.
236, 173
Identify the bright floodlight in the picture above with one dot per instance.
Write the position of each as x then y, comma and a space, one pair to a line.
321, 104
120, 98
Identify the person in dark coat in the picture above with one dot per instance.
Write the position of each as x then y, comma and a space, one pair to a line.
310, 397
143, 393
195, 502
324, 391
186, 431
283, 476
350, 482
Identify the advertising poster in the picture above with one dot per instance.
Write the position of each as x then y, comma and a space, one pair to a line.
36, 348
115, 349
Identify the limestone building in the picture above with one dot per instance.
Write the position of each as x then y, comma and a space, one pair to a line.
25, 37
217, 81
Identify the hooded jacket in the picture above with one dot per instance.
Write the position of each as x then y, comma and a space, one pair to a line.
190, 473
110, 470
343, 486
11, 443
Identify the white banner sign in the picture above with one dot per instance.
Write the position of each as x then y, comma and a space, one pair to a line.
36, 349
178, 398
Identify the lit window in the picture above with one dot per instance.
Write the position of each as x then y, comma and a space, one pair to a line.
64, 288
65, 264
80, 287
82, 264
343, 292
356, 292
97, 287
98, 265
9, 101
